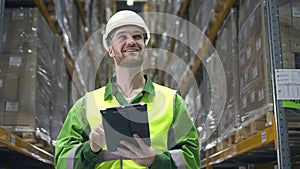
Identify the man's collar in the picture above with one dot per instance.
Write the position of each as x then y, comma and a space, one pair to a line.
111, 87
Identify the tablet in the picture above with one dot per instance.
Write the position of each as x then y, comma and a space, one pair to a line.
120, 123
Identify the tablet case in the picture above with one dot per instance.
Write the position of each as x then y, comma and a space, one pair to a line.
120, 123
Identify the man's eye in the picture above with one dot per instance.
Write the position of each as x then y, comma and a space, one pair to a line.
137, 37
122, 37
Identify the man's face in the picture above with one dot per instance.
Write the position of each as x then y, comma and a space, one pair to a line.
127, 46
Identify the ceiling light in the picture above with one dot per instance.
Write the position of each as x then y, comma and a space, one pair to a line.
130, 2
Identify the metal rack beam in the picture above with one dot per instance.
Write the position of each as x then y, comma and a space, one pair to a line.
42, 7
260, 139
15, 143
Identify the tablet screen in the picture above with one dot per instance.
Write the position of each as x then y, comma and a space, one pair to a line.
120, 123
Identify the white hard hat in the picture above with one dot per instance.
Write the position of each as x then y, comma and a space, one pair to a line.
122, 18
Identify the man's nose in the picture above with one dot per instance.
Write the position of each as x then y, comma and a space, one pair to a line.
130, 40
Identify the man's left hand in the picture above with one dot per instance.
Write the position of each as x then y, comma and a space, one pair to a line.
143, 154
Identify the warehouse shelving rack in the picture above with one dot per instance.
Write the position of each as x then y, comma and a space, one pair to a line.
16, 152
270, 146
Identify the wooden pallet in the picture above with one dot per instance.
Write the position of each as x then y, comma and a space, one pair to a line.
211, 151
227, 141
38, 141
31, 137
255, 126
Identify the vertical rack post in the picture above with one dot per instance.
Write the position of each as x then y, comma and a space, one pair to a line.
283, 150
2, 4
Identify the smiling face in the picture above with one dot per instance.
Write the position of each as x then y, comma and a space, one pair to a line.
127, 46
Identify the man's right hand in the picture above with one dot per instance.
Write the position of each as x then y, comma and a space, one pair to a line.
97, 138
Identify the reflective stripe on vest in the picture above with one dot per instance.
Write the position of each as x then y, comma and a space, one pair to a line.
160, 115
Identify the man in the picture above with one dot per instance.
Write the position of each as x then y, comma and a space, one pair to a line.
174, 140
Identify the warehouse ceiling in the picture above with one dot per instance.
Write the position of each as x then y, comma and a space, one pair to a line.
137, 6
24, 3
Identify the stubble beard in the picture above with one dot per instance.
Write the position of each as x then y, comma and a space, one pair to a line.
132, 61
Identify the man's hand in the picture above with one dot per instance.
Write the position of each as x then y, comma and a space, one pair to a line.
143, 154
97, 138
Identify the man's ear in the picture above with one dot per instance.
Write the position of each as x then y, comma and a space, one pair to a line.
110, 52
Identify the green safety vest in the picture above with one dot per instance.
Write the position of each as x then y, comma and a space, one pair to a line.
160, 115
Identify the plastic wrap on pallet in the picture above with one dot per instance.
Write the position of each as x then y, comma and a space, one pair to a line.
158, 6
226, 46
59, 12
109, 9
68, 18
178, 64
200, 115
92, 59
192, 100
215, 95
166, 31
201, 12
174, 6
26, 72
289, 19
60, 89
207, 11
254, 65
44, 82
195, 13
63, 16
93, 19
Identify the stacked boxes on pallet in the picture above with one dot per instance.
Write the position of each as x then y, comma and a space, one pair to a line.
25, 69
60, 89
226, 46
289, 18
253, 54
249, 84
28, 79
253, 62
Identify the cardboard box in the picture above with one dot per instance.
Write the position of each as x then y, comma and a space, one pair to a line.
2, 109
256, 70
285, 39
20, 30
288, 60
250, 49
255, 99
256, 20
285, 14
295, 39
259, 39
242, 58
243, 35
296, 13
245, 7
9, 87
